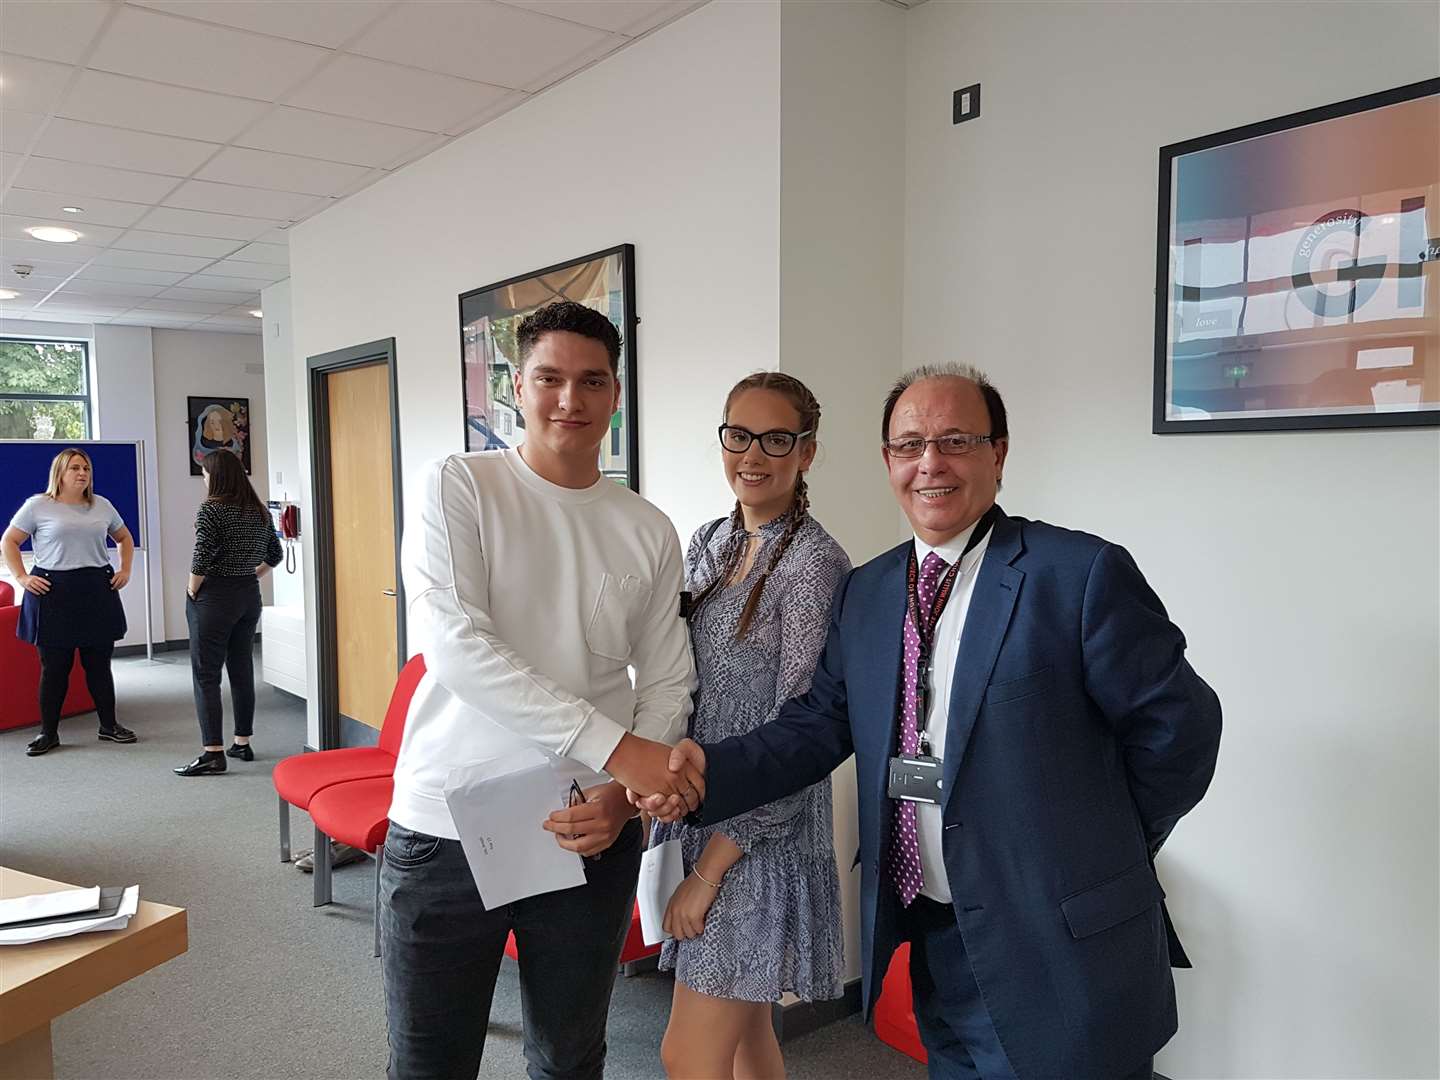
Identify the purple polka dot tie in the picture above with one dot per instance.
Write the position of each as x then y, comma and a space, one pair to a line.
905, 839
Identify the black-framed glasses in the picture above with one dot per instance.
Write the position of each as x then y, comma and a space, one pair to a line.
913, 446
775, 443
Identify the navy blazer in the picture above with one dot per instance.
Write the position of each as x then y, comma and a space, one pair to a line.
1078, 736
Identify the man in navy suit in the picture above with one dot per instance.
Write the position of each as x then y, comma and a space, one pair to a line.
1027, 732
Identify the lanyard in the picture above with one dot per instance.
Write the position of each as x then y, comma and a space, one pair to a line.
926, 622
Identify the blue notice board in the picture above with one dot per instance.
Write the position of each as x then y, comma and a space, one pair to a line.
25, 471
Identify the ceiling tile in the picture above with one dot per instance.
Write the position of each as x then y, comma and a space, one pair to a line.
247, 201
246, 325
32, 251
488, 42
96, 144
151, 260
135, 291
48, 204
150, 45
484, 116
9, 166
278, 254
172, 244
335, 138
122, 275
281, 172
236, 269
193, 223
389, 94
78, 302
328, 24
47, 174
13, 226
17, 129
630, 17
173, 304
218, 281
32, 85
219, 296
103, 98
51, 31
279, 236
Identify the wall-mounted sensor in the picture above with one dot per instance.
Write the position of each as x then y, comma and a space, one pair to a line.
967, 103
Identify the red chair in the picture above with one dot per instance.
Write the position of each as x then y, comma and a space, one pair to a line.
895, 1009
355, 812
300, 777
20, 673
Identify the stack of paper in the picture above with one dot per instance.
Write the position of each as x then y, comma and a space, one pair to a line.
42, 916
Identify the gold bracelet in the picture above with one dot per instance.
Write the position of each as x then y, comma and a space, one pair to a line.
706, 880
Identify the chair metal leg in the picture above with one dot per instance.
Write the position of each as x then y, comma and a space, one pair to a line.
284, 830
322, 869
379, 862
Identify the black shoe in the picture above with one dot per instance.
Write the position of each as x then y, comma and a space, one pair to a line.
210, 763
117, 734
244, 753
42, 744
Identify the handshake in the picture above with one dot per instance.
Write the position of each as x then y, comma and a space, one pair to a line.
666, 782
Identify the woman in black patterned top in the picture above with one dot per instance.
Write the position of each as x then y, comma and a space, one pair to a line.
235, 546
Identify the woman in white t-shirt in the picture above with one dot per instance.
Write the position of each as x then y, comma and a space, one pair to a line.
71, 596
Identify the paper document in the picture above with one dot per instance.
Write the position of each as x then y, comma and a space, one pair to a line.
24, 935
498, 806
48, 905
662, 869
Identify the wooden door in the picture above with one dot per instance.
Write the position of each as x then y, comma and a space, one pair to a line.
363, 516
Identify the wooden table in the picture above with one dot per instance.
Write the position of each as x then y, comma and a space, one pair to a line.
39, 982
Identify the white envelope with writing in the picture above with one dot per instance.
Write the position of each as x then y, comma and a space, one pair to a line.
662, 869
498, 807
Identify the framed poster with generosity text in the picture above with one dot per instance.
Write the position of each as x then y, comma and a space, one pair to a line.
1297, 281
490, 368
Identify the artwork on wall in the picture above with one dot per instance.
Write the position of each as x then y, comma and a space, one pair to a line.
218, 423
1298, 271
489, 317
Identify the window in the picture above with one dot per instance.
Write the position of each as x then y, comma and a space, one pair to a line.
44, 389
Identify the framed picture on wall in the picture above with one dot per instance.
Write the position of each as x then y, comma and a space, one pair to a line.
1297, 281
218, 423
489, 317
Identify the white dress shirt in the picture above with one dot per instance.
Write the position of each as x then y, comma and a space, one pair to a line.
943, 652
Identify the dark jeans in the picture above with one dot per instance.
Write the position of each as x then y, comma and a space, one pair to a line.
222, 634
440, 952
55, 667
954, 1023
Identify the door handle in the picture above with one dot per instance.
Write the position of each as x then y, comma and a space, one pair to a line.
387, 592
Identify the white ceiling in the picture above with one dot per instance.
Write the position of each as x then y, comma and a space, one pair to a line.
194, 133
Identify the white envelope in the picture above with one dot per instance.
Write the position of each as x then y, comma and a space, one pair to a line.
498, 807
25, 935
662, 869
49, 905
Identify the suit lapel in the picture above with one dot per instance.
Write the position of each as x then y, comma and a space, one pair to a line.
991, 604
875, 716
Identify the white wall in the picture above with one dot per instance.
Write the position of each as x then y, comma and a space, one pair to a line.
1302, 566
191, 363
672, 145
282, 448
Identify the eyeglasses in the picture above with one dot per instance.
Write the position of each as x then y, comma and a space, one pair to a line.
913, 446
776, 443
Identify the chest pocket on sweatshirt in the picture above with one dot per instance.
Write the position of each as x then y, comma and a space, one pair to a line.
619, 606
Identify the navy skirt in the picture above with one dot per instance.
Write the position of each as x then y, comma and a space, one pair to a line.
79, 611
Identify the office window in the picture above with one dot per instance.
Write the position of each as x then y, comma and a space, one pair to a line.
44, 389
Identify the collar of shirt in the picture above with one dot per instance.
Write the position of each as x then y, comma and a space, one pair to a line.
951, 549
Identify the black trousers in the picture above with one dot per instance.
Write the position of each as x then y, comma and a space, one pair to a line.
55, 664
222, 635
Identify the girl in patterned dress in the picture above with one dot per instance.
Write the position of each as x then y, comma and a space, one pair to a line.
759, 912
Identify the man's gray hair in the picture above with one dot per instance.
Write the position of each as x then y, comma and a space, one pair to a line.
999, 428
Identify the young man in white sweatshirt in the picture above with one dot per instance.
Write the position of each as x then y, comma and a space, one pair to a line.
534, 583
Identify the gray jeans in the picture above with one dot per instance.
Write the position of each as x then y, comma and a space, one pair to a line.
441, 949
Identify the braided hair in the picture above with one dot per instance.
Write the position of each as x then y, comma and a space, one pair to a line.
732, 557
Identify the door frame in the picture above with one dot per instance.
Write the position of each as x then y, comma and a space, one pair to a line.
318, 370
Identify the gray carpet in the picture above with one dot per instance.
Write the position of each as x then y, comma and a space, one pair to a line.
270, 987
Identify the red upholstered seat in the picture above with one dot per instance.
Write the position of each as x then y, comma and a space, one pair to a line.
20, 673
895, 1010
355, 812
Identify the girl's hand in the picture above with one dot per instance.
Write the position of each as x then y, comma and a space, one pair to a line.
120, 579
35, 585
685, 916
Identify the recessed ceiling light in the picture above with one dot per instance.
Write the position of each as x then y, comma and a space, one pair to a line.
73, 209
8, 294
258, 313
53, 234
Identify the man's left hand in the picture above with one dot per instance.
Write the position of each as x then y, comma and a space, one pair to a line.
592, 826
